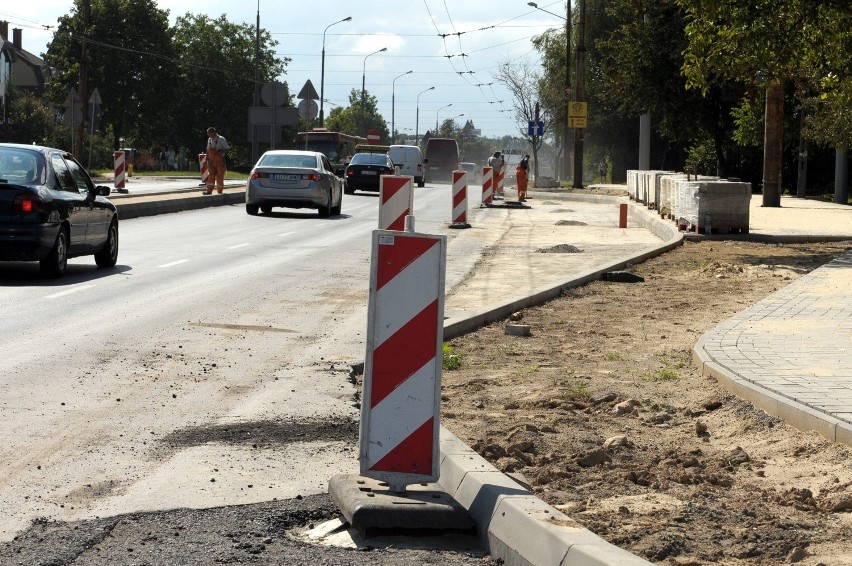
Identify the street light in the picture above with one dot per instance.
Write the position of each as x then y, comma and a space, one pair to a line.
437, 112
364, 92
567, 87
417, 121
322, 71
393, 102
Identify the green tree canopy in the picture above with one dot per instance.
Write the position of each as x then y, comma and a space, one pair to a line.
129, 60
347, 120
216, 70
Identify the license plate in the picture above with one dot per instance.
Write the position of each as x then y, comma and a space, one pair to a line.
285, 177
369, 173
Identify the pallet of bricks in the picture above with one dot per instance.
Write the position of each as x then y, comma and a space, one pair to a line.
712, 207
666, 200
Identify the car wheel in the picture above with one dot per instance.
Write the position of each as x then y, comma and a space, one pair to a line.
108, 255
348, 190
252, 209
57, 260
326, 211
421, 183
335, 210
266, 209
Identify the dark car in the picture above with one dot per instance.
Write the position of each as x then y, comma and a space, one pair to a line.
50, 210
364, 170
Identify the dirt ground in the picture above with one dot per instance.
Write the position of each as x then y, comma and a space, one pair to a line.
602, 411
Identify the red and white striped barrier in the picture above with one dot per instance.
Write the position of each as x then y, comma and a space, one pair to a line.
120, 172
202, 166
400, 409
459, 200
498, 181
487, 186
396, 196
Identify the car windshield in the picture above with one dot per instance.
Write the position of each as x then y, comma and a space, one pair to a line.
279, 160
369, 159
19, 166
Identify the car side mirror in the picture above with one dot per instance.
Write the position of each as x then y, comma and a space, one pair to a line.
425, 161
102, 190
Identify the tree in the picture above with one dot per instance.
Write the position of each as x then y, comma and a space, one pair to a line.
129, 59
347, 120
763, 43
522, 82
216, 68
30, 121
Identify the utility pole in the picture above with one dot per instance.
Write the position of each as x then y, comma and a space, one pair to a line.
83, 89
581, 94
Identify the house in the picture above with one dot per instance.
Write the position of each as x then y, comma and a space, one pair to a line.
19, 70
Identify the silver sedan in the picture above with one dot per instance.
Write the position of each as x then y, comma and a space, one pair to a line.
294, 179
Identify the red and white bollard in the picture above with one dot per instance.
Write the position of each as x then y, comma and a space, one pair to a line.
400, 408
202, 166
500, 172
396, 196
120, 172
487, 186
459, 200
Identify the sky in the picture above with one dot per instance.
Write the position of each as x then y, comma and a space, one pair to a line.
455, 46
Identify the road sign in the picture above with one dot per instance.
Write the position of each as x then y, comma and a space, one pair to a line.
273, 94
535, 128
308, 109
95, 98
308, 91
576, 122
373, 137
578, 110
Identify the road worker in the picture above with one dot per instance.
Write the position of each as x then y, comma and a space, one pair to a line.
217, 147
522, 176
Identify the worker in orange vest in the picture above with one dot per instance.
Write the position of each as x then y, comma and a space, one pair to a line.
521, 177
217, 147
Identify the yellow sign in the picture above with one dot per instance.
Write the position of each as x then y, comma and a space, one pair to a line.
576, 122
578, 110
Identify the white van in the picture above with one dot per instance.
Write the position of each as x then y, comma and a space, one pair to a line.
410, 161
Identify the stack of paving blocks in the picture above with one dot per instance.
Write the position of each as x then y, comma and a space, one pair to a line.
720, 206
666, 200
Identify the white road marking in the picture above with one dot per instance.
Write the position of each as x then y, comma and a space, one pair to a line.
285, 234
237, 246
69, 291
178, 262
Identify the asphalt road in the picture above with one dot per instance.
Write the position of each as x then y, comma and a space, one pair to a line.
210, 368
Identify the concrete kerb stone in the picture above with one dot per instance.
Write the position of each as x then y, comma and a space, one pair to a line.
154, 207
794, 413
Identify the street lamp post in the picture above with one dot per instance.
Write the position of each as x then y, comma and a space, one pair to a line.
364, 92
567, 87
417, 121
393, 103
437, 112
322, 70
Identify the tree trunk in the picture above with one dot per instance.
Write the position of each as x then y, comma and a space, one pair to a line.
772, 144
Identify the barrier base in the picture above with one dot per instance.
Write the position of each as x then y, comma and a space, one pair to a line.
371, 508
459, 225
122, 190
507, 204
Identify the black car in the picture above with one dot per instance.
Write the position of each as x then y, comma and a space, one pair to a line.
50, 210
364, 170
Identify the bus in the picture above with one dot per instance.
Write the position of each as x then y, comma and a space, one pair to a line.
442, 158
339, 148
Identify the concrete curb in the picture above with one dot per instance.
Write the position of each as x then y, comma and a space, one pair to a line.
195, 202
513, 524
795, 414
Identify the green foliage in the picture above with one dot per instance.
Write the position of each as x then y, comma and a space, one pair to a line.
450, 359
30, 120
359, 117
701, 157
